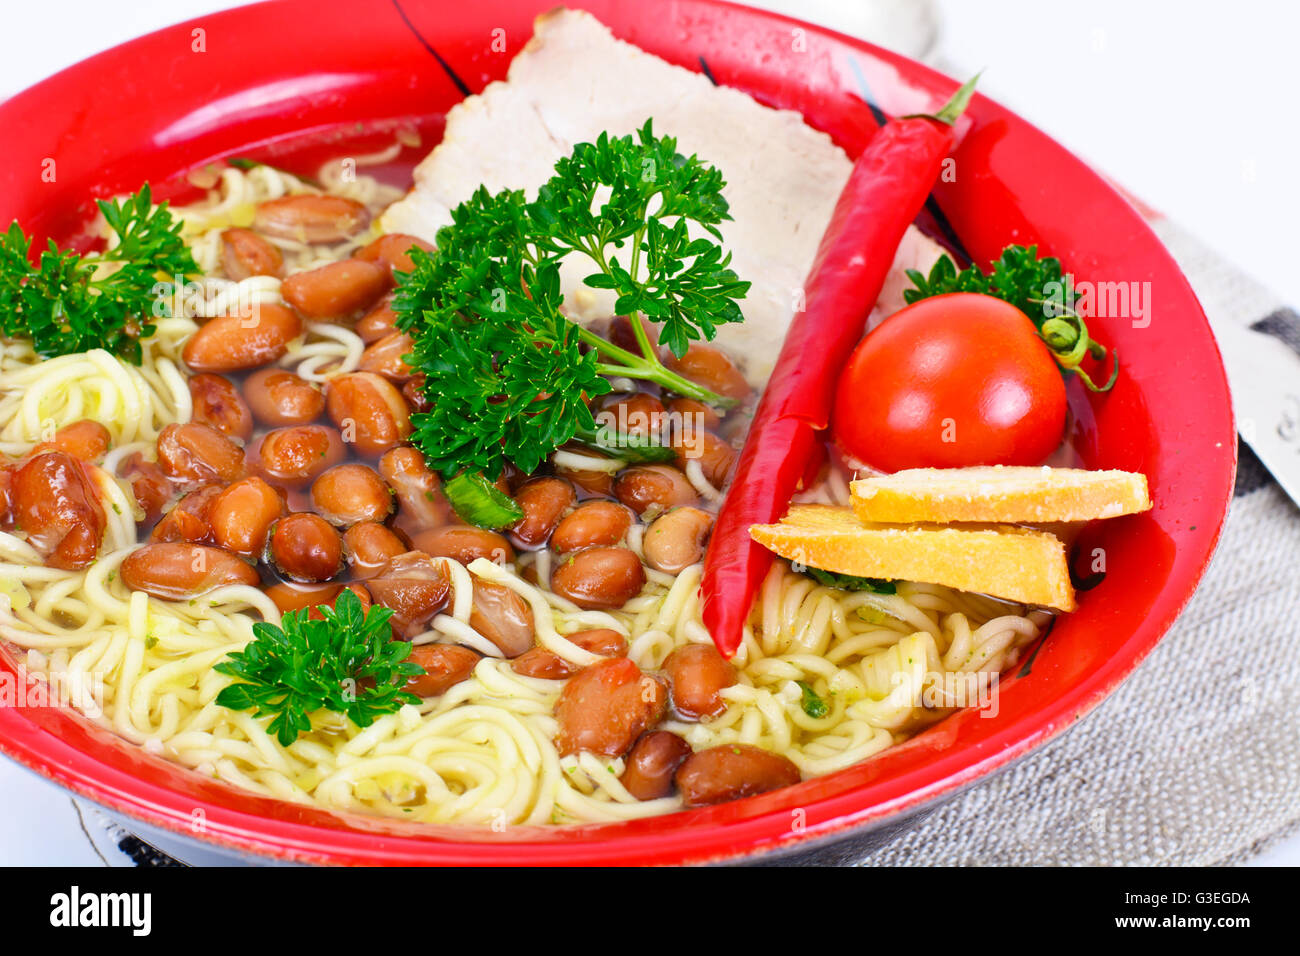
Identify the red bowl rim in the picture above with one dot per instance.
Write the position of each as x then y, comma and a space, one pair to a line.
244, 831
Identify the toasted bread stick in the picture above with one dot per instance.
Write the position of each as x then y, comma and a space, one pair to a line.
1017, 564
999, 493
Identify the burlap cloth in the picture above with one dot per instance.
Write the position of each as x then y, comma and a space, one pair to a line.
1195, 760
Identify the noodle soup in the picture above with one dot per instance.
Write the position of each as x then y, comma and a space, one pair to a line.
601, 577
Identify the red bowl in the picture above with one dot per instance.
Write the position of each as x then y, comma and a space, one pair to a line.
251, 78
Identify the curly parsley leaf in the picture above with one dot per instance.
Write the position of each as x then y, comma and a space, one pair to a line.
480, 502
68, 303
813, 705
686, 285
848, 582
508, 376
1038, 287
345, 661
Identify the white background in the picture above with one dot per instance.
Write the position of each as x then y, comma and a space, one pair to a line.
1190, 105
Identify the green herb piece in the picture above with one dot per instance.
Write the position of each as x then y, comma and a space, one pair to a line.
480, 502
848, 582
71, 303
345, 662
508, 375
1037, 287
637, 449
812, 705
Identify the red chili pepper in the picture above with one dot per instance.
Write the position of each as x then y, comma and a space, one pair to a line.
885, 192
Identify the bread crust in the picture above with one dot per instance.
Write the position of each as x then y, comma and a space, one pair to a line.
999, 493
1018, 564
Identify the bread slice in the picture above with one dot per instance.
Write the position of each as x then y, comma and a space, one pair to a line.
999, 493
1018, 564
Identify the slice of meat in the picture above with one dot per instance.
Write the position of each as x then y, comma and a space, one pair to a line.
783, 177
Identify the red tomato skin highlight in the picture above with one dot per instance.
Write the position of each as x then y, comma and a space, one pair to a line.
956, 380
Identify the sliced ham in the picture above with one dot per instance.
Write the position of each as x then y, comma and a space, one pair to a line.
573, 81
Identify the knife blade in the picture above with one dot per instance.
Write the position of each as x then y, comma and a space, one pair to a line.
1264, 376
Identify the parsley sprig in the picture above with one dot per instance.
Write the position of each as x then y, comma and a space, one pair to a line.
849, 582
345, 662
1037, 287
813, 705
507, 374
71, 303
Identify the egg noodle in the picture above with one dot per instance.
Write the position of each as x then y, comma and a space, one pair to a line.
881, 666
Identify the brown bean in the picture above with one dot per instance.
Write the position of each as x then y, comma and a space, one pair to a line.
378, 323
57, 505
590, 524
392, 251
279, 398
369, 411
650, 490
606, 707
716, 457
218, 403
149, 484
196, 452
464, 544
347, 494
385, 358
311, 218
503, 617
232, 343
543, 501
413, 392
675, 541
540, 662
294, 456
599, 578
732, 771
686, 414
445, 666
336, 290
291, 596
422, 505
305, 547
7, 473
244, 253
710, 367
593, 482
697, 673
414, 587
621, 334
648, 774
86, 440
190, 519
637, 414
176, 571
369, 547
241, 515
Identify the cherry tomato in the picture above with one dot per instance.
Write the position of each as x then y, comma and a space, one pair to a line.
956, 380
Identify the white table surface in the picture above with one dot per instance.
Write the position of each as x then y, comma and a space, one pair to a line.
1190, 106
